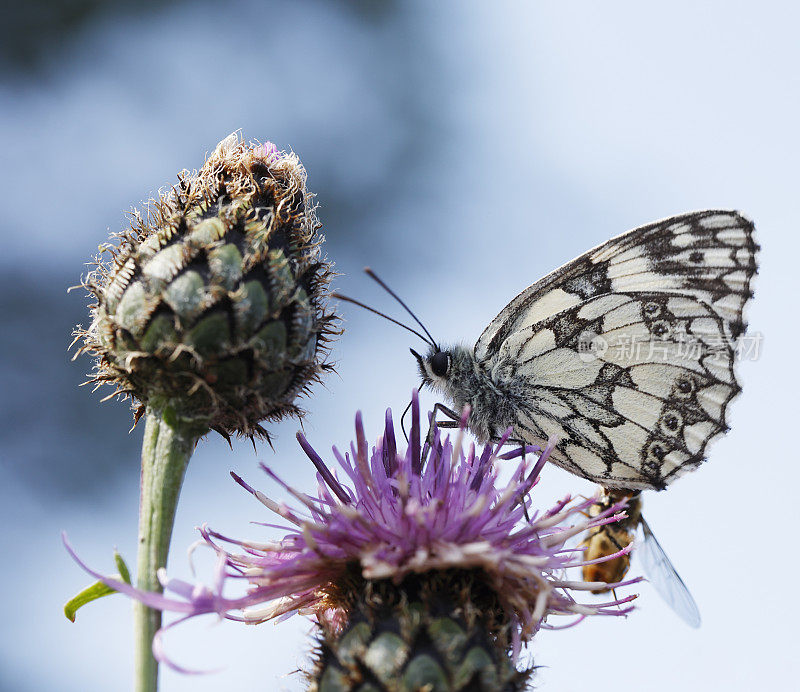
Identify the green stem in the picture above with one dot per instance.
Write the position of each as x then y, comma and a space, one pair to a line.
166, 449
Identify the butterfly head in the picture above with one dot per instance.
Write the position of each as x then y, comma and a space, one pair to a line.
441, 368
433, 366
451, 371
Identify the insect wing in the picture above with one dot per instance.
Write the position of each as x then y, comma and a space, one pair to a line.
627, 352
707, 254
665, 579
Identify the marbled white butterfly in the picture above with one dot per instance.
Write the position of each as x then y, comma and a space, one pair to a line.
665, 302
626, 354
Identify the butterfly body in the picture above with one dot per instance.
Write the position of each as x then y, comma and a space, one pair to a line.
492, 396
626, 353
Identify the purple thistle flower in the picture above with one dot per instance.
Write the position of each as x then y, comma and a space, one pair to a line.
394, 516
267, 151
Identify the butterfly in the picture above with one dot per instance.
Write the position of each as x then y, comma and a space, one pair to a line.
626, 353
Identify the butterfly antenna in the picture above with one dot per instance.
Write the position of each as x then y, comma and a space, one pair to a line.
372, 275
386, 317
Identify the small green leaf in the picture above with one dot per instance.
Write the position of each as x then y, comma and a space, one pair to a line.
97, 590
89, 594
124, 572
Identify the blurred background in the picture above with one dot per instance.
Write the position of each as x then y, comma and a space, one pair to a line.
463, 150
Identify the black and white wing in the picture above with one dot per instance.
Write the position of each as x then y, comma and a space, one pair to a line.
627, 352
664, 578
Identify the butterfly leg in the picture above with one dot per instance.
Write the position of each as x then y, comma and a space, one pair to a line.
521, 443
524, 504
403, 421
522, 478
452, 423
441, 424
522, 446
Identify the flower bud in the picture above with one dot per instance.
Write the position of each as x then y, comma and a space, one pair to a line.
213, 304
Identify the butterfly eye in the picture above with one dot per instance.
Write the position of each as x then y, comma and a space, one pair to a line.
440, 364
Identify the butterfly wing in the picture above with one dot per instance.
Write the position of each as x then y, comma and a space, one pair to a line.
627, 352
707, 254
665, 579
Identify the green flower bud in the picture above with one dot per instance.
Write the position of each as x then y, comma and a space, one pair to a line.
212, 306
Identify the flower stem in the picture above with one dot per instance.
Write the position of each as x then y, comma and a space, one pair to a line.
166, 450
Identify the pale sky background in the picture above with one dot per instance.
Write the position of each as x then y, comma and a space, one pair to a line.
463, 151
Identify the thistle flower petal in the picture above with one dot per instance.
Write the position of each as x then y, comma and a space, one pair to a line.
398, 516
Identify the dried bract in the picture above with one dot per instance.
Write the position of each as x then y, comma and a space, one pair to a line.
212, 306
